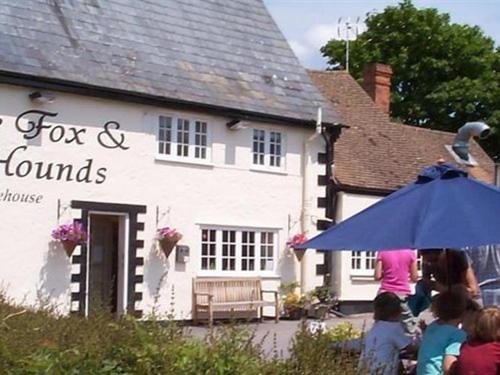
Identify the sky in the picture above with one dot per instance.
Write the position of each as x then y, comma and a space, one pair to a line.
309, 24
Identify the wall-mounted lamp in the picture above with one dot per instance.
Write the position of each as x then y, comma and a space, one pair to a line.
42, 97
235, 124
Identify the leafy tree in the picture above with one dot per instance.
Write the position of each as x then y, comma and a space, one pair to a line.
444, 74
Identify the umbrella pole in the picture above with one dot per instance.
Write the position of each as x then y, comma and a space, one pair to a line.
448, 268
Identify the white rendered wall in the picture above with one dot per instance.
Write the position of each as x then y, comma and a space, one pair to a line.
348, 286
226, 193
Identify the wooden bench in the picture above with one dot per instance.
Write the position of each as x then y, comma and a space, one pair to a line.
230, 296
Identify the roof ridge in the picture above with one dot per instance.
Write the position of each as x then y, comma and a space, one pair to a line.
330, 72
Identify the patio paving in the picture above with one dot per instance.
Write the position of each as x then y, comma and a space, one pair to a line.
283, 332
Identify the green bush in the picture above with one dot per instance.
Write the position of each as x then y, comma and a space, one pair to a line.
315, 353
42, 342
342, 332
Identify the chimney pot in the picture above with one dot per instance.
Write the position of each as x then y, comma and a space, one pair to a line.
377, 83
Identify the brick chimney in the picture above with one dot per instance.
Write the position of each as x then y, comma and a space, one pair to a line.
377, 83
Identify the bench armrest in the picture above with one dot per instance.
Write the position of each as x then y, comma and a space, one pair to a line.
269, 291
276, 297
276, 303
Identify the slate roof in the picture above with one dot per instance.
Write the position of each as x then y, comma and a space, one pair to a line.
377, 154
222, 53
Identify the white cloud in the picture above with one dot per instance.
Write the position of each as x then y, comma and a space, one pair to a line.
307, 45
302, 51
318, 35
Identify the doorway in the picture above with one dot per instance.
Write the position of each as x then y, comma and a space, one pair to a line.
106, 263
126, 272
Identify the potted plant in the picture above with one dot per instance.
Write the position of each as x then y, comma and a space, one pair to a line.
70, 235
294, 306
296, 240
321, 299
293, 302
167, 238
323, 294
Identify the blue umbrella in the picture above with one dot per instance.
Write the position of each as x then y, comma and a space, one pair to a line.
442, 209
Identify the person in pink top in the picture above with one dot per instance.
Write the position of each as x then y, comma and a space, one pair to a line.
395, 269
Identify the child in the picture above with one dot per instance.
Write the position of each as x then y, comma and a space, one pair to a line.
480, 355
469, 318
383, 343
395, 269
442, 338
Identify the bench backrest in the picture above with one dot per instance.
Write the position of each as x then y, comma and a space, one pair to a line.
228, 289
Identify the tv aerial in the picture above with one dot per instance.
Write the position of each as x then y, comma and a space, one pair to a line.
348, 30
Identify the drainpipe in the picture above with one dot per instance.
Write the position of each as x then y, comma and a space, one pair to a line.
330, 135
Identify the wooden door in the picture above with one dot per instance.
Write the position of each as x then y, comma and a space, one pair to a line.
103, 263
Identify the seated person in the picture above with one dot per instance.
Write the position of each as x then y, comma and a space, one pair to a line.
386, 339
441, 268
442, 338
469, 318
481, 353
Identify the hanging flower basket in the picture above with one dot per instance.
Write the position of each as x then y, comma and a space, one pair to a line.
297, 240
167, 239
299, 253
69, 246
70, 236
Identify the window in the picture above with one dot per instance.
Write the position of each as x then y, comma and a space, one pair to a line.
228, 250
248, 251
200, 140
259, 146
238, 251
181, 139
165, 135
363, 262
267, 148
208, 249
267, 251
275, 149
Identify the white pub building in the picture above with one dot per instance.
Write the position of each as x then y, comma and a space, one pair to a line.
131, 116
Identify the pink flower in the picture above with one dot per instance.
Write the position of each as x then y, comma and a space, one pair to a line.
298, 239
168, 233
74, 232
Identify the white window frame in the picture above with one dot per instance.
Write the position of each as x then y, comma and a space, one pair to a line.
369, 272
266, 166
238, 272
363, 257
192, 136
